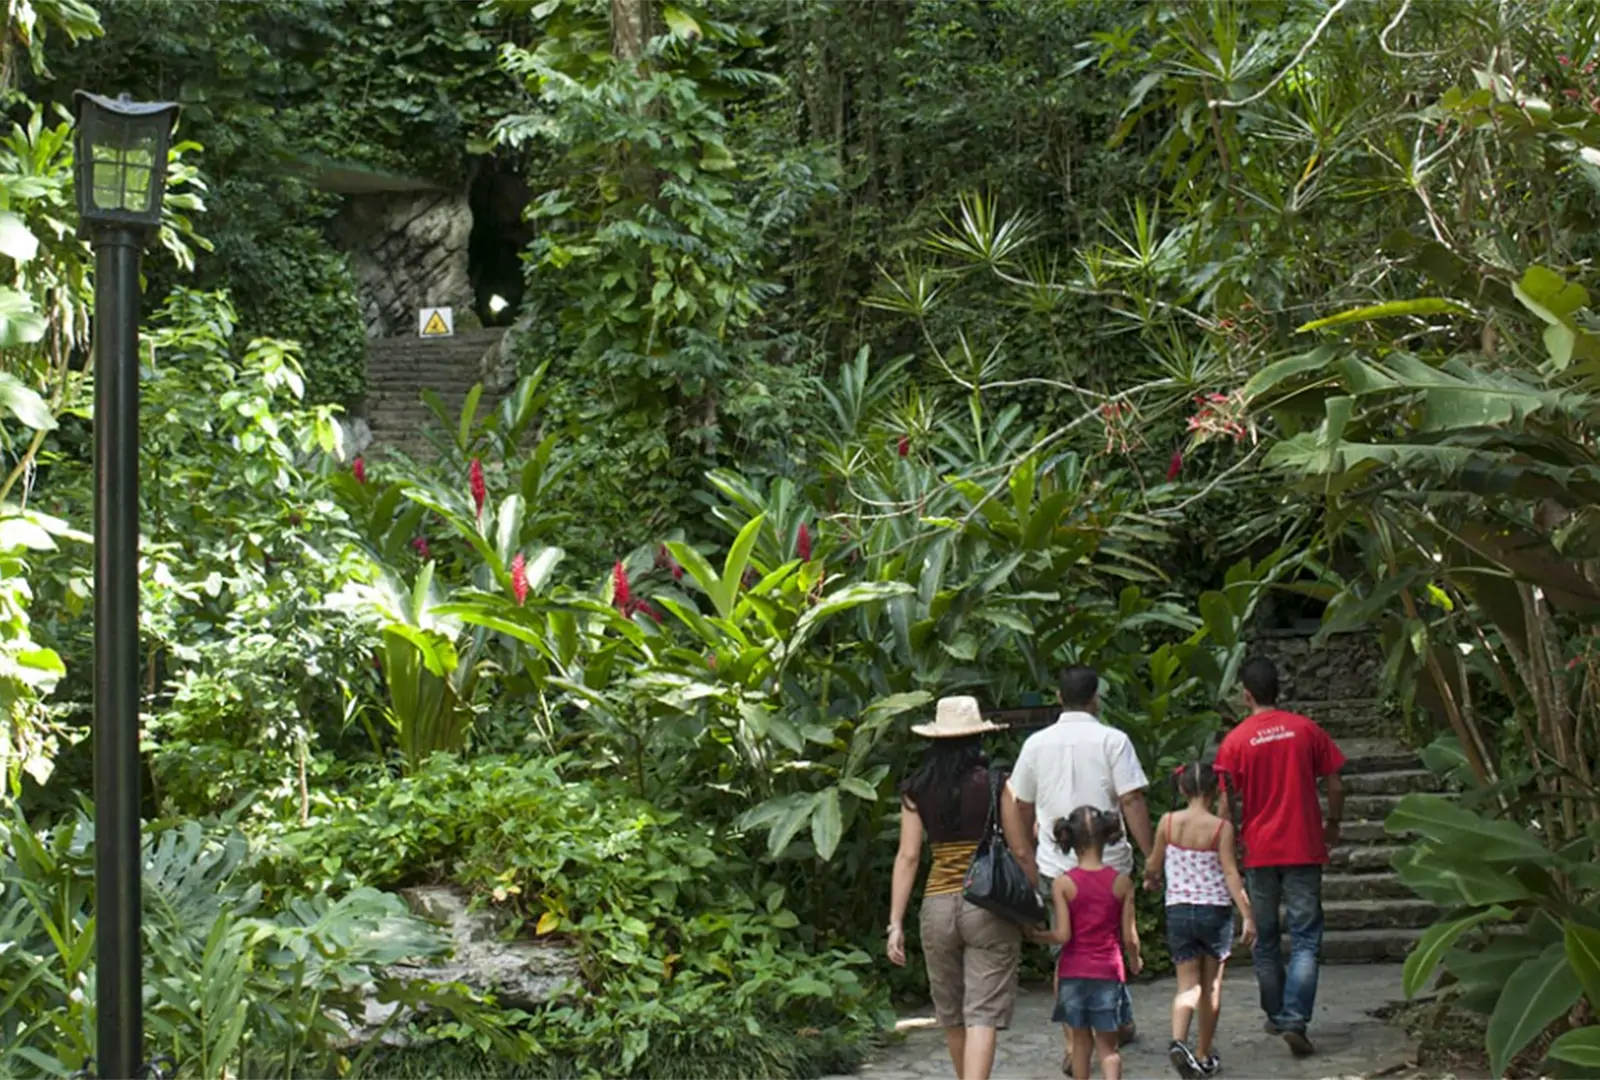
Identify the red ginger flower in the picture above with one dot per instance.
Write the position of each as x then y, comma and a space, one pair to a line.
621, 594
664, 559
420, 545
480, 490
519, 578
803, 543
358, 468
904, 446
1175, 466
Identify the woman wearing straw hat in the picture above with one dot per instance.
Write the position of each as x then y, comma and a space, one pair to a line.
972, 954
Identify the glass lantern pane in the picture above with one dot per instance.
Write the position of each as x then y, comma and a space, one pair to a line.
122, 177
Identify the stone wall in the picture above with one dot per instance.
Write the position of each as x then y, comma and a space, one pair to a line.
399, 368
1344, 667
408, 251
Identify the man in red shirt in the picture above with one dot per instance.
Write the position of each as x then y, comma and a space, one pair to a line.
1272, 762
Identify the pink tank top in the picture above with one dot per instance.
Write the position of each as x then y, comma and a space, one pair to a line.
1095, 951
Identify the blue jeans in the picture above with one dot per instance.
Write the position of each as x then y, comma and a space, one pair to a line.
1288, 994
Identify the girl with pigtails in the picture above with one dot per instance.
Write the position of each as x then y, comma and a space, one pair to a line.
1099, 936
1195, 848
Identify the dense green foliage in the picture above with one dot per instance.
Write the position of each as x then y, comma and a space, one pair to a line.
869, 353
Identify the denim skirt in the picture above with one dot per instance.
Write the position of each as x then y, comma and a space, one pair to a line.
1095, 1004
1199, 930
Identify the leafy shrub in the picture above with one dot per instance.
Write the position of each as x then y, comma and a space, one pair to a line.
684, 944
231, 988
1488, 874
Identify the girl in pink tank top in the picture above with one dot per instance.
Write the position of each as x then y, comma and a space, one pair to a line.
1096, 928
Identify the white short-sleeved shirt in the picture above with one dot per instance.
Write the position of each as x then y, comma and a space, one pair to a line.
1077, 761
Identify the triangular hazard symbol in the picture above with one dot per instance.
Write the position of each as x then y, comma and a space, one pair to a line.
436, 326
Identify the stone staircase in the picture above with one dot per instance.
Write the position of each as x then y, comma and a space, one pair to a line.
1369, 915
400, 368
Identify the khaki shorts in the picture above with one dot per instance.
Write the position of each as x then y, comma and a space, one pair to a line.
972, 957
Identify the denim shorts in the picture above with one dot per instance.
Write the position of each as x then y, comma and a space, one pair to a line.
1096, 1004
1197, 930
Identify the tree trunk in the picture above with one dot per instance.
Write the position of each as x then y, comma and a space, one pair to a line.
630, 29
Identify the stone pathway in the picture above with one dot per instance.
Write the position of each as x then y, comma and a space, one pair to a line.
1352, 1043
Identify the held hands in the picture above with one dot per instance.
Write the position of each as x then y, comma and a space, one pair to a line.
1247, 932
1135, 962
897, 945
1330, 833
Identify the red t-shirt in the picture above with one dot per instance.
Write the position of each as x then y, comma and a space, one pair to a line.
1272, 761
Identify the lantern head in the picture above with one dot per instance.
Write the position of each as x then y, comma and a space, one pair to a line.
121, 160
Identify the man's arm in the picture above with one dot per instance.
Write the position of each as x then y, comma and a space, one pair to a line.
1333, 784
1137, 816
1018, 818
1129, 781
1329, 760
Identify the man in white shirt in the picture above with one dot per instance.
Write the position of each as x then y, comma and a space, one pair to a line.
1077, 761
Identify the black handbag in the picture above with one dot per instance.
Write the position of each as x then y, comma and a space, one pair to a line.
994, 880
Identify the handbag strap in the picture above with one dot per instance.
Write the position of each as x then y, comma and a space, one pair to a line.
991, 826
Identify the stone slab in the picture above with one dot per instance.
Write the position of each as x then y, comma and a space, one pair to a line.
1351, 1041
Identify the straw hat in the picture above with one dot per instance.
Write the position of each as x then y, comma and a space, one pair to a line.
957, 717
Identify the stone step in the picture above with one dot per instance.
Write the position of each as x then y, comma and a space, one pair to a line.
1354, 946
1381, 914
410, 390
1356, 886
1389, 782
411, 383
1377, 755
1364, 858
1373, 808
1351, 718
1363, 832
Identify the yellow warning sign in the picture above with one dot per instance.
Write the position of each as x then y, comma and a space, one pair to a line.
436, 322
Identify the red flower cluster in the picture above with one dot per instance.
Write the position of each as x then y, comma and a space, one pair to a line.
622, 596
1585, 92
420, 546
803, 544
665, 561
1220, 414
1175, 466
904, 446
1121, 427
519, 578
358, 469
480, 490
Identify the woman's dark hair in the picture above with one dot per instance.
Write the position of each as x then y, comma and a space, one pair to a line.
1087, 827
935, 788
1195, 778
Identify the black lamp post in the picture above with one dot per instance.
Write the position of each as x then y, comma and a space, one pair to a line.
121, 175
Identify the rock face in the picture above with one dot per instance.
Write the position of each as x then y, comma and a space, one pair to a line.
1345, 667
407, 251
521, 974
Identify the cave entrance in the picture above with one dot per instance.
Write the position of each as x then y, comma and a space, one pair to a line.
497, 196
1291, 609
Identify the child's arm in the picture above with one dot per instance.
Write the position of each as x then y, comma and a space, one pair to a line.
1158, 856
1062, 893
1130, 924
1229, 855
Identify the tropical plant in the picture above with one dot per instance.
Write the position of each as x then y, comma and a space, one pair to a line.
232, 989
1519, 941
